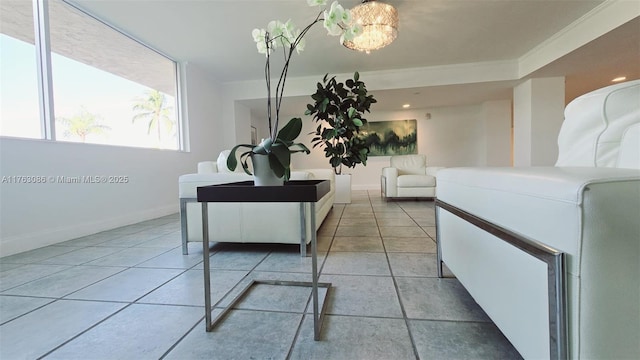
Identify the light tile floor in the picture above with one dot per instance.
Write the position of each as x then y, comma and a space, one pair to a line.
129, 293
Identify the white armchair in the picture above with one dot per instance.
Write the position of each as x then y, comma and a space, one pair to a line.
409, 176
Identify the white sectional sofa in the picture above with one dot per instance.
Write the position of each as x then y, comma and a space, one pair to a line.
552, 254
247, 222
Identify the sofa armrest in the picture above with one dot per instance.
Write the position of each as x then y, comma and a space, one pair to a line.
390, 184
324, 174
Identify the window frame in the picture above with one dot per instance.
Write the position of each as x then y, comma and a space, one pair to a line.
42, 44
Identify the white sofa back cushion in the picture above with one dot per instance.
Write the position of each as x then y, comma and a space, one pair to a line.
629, 157
222, 161
207, 167
301, 175
409, 164
595, 125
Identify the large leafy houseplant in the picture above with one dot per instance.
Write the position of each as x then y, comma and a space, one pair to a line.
338, 109
281, 143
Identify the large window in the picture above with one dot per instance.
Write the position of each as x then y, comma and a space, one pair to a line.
105, 87
19, 109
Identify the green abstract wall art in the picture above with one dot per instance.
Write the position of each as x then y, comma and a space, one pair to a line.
385, 138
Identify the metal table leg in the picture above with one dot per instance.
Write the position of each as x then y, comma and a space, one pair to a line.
314, 272
205, 262
318, 314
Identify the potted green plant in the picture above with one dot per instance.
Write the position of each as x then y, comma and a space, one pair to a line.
338, 108
271, 158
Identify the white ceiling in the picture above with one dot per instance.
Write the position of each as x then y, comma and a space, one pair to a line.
215, 35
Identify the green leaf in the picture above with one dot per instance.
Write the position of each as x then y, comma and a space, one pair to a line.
351, 112
232, 162
282, 154
356, 76
277, 168
323, 104
290, 131
357, 122
243, 161
302, 148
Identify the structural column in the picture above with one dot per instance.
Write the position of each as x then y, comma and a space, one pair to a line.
497, 133
538, 112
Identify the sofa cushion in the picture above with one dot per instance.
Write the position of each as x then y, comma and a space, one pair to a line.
409, 164
416, 181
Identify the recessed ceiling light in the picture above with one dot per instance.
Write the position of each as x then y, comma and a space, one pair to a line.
406, 105
619, 78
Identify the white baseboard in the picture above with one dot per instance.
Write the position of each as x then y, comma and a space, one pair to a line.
29, 241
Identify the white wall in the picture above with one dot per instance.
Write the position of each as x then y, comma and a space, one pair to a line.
497, 132
36, 215
262, 126
538, 113
454, 136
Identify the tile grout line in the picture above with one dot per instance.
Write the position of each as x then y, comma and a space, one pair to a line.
213, 306
309, 298
395, 284
128, 304
64, 297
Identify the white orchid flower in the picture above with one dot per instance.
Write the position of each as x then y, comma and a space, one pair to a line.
351, 33
274, 28
335, 12
316, 2
346, 16
337, 20
333, 29
332, 19
262, 47
300, 46
258, 35
328, 23
289, 31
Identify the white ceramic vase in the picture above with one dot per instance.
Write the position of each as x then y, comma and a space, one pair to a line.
262, 173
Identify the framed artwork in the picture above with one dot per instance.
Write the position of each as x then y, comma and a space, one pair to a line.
385, 138
254, 136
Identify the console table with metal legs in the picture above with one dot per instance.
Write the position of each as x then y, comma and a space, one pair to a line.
305, 192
